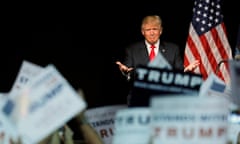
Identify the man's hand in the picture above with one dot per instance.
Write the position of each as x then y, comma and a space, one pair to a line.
123, 68
192, 66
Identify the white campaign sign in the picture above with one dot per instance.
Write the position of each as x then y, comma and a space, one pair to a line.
234, 130
235, 81
213, 86
189, 120
132, 126
16, 97
160, 62
26, 73
7, 130
50, 103
102, 120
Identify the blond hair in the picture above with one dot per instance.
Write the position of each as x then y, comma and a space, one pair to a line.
151, 19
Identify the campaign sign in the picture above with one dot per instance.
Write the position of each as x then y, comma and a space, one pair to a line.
27, 72
51, 102
160, 62
151, 81
189, 120
235, 81
102, 119
234, 127
7, 129
213, 86
132, 126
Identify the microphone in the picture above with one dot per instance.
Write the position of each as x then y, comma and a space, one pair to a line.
237, 57
237, 52
127, 75
219, 64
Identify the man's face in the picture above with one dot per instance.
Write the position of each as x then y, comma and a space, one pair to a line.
151, 32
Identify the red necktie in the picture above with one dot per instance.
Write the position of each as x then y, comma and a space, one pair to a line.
152, 53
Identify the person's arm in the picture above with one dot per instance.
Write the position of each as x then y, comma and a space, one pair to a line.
54, 138
89, 134
67, 135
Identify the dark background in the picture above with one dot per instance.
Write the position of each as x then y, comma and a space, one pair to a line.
84, 39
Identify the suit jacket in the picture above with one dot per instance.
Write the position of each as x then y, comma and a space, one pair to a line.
137, 54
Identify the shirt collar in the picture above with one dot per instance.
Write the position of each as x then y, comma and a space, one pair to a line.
156, 44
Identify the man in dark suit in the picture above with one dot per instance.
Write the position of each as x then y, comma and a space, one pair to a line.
139, 53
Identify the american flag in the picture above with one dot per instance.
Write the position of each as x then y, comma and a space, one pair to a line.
207, 40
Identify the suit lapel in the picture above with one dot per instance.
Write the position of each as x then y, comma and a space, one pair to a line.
162, 49
144, 53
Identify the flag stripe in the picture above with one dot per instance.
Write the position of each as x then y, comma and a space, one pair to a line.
225, 52
210, 57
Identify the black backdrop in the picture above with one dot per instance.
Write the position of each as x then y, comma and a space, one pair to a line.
83, 40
